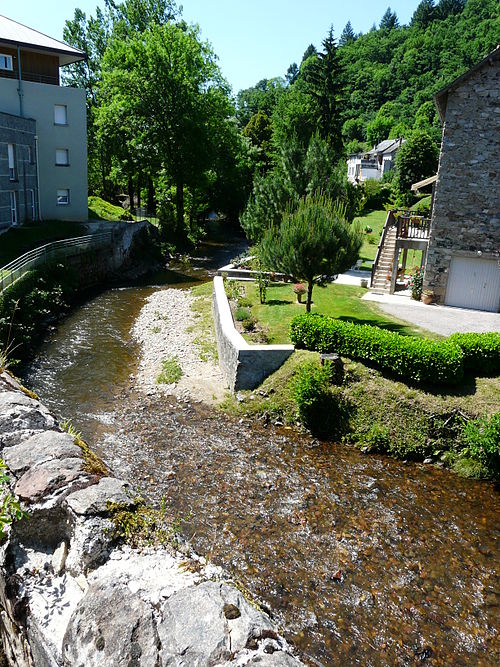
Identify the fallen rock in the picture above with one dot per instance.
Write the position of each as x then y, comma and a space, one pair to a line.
21, 417
40, 448
45, 478
195, 631
112, 627
94, 499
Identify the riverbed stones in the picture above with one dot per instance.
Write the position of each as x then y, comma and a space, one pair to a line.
40, 448
95, 499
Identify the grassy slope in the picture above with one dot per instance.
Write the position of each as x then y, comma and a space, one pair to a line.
376, 220
99, 209
17, 241
340, 301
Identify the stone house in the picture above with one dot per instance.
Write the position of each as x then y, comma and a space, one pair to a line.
463, 257
43, 142
375, 163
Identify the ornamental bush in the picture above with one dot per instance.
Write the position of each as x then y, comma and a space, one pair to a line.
481, 440
415, 359
481, 351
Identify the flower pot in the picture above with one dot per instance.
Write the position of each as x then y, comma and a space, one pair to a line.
427, 299
364, 283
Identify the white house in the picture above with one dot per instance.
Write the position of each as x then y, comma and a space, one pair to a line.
375, 163
43, 135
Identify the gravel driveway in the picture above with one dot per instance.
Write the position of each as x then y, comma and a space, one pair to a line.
440, 319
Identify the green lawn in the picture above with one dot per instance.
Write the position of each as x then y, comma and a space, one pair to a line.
16, 241
376, 220
341, 301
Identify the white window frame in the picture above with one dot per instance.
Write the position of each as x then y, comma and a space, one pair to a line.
6, 62
63, 197
13, 207
11, 153
58, 107
64, 154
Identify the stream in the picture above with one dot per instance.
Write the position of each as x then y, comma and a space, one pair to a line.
363, 559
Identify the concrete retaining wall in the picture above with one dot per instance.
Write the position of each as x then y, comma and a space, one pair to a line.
71, 595
244, 366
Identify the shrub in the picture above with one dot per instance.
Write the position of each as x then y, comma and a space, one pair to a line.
481, 441
415, 359
321, 407
243, 302
481, 351
249, 323
416, 283
241, 314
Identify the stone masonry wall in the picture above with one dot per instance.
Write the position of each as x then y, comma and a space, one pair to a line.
466, 215
71, 596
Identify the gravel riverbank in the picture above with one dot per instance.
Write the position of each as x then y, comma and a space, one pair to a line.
163, 330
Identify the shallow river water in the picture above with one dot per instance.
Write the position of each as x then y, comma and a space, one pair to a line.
365, 560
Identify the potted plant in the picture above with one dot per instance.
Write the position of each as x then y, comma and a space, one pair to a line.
427, 296
300, 290
364, 282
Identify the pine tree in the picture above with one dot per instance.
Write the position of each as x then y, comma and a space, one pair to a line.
310, 51
326, 85
292, 73
347, 34
389, 20
424, 14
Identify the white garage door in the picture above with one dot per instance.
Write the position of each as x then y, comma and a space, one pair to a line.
474, 283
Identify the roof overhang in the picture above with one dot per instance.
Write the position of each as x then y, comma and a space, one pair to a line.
421, 184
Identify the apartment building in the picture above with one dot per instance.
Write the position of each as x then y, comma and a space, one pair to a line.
43, 134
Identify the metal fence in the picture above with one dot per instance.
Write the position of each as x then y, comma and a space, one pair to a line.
55, 251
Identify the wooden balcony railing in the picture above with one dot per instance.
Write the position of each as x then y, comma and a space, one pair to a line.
411, 226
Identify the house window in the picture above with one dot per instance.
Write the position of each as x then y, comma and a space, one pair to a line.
62, 197
31, 155
60, 114
13, 208
11, 150
62, 157
5, 62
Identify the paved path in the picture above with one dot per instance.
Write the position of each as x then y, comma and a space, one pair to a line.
353, 277
440, 319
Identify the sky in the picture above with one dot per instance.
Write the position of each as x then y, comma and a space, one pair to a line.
254, 39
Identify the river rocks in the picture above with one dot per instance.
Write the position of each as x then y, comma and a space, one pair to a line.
94, 499
40, 448
163, 329
72, 597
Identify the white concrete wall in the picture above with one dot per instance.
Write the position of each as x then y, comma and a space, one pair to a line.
244, 366
38, 103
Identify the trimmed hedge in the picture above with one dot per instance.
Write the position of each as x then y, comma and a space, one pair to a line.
481, 351
415, 359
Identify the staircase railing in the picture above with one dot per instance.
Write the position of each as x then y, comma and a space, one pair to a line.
56, 250
390, 221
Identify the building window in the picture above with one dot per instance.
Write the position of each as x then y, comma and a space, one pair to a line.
13, 208
60, 114
62, 157
62, 197
31, 155
5, 62
11, 150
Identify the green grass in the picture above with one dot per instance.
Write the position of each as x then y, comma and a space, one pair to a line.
170, 371
376, 220
204, 325
339, 301
99, 209
16, 241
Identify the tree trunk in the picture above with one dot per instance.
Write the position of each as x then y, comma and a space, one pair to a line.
139, 190
179, 202
310, 286
131, 193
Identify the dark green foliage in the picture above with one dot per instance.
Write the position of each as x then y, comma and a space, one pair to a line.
271, 194
30, 304
292, 73
389, 20
310, 51
414, 359
376, 194
241, 314
313, 239
416, 159
321, 407
481, 440
347, 34
481, 351
424, 14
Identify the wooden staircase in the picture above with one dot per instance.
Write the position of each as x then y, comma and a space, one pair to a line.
382, 267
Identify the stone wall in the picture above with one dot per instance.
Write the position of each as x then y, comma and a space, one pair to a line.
466, 214
244, 366
70, 595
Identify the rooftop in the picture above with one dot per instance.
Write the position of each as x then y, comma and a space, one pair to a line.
16, 34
